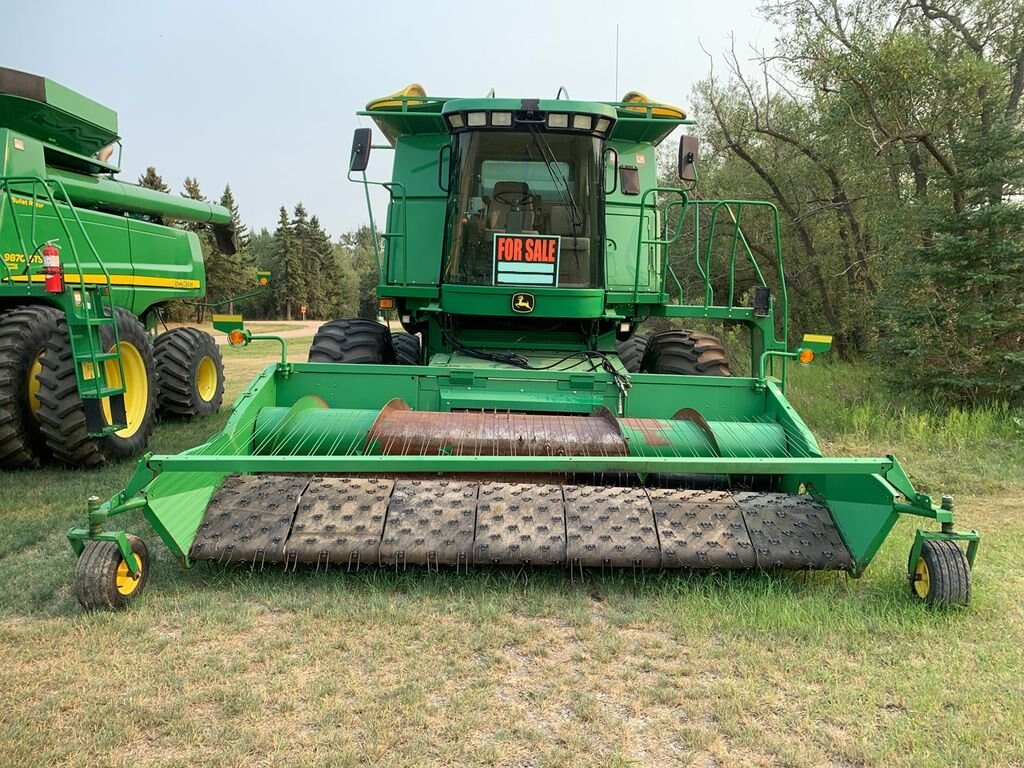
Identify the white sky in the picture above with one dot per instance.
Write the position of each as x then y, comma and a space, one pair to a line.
263, 94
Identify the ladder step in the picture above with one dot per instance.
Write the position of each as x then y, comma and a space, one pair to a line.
93, 394
100, 357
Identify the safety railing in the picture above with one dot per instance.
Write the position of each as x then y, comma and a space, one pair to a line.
14, 188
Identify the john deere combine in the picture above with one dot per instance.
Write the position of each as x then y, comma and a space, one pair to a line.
87, 263
520, 419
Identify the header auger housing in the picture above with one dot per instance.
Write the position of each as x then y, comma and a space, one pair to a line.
521, 418
87, 263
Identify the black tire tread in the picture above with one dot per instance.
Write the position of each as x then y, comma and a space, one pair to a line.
685, 352
407, 348
178, 353
61, 411
96, 572
631, 352
352, 340
23, 332
949, 573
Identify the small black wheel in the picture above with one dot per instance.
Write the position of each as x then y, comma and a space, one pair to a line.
631, 352
103, 579
685, 352
189, 372
407, 348
62, 414
942, 576
352, 340
24, 332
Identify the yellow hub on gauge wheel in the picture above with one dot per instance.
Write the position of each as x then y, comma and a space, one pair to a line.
126, 582
136, 387
922, 581
206, 379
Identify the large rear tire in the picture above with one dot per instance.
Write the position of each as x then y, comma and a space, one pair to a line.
407, 348
631, 352
24, 332
189, 372
60, 406
685, 352
352, 340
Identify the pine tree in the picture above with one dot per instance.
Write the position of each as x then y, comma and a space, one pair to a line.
227, 199
152, 180
288, 280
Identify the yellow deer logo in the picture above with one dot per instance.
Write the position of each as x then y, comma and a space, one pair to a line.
523, 302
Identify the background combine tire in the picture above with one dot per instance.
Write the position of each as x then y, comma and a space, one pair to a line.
407, 348
631, 352
24, 332
60, 407
685, 352
943, 575
102, 578
352, 340
190, 374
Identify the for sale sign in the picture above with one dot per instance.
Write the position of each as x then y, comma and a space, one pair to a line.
526, 259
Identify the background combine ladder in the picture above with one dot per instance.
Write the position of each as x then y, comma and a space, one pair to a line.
86, 299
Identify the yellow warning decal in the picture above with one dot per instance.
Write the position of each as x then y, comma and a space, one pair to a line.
817, 338
226, 318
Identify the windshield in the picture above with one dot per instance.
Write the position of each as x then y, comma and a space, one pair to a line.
525, 210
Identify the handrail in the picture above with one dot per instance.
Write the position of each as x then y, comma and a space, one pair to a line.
641, 241
80, 311
402, 196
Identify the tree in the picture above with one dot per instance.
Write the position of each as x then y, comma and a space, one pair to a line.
152, 180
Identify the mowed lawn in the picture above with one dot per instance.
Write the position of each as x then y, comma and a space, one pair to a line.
512, 668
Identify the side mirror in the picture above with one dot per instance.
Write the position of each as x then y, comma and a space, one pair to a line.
688, 148
360, 149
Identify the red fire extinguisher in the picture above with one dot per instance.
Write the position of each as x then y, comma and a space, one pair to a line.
53, 273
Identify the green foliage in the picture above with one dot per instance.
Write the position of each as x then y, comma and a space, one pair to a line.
889, 135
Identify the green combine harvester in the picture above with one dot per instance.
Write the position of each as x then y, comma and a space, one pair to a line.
520, 418
88, 262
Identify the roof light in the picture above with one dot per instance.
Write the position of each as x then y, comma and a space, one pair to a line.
558, 121
582, 122
456, 120
503, 119
475, 119
602, 124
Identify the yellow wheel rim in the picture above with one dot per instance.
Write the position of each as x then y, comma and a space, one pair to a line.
126, 583
136, 387
33, 384
206, 379
922, 581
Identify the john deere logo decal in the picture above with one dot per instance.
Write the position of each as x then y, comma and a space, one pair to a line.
523, 302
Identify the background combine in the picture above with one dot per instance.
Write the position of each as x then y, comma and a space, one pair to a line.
87, 263
521, 418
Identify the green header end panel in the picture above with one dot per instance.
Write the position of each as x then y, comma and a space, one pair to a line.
416, 214
54, 114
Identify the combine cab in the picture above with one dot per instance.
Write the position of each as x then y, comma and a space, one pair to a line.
88, 261
522, 417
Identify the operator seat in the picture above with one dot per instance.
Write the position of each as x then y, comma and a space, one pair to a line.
516, 212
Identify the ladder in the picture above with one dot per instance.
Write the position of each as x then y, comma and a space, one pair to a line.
86, 300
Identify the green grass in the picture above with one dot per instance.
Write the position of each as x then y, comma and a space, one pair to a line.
505, 668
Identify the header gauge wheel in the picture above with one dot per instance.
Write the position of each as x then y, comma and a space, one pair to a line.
942, 576
103, 578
